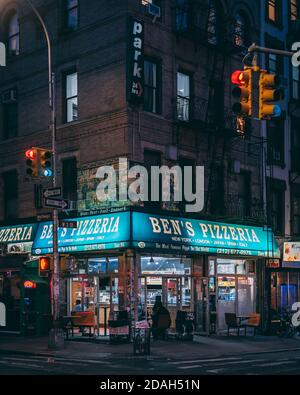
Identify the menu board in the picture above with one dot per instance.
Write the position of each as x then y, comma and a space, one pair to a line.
291, 254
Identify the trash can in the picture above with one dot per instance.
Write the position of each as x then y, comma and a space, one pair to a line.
141, 341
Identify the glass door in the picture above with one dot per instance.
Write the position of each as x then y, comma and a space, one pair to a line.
245, 295
226, 297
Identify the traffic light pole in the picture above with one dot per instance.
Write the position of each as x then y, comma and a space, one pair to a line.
255, 49
56, 339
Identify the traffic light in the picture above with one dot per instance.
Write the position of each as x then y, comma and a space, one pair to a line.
243, 91
268, 95
45, 159
31, 162
44, 266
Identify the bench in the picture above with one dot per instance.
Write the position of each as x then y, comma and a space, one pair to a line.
81, 320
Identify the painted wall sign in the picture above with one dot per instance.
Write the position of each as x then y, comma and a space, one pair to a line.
100, 232
190, 235
291, 254
17, 233
135, 61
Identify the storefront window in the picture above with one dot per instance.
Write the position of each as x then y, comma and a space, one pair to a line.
166, 265
284, 290
103, 265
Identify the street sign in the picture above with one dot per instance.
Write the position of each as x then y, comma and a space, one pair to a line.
57, 203
52, 192
67, 224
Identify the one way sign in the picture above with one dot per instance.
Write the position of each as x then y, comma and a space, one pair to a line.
57, 203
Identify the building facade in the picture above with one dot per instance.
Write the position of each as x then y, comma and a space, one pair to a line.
150, 82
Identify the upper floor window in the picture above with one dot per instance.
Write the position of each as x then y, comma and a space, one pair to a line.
182, 15
275, 136
151, 86
274, 11
71, 14
9, 124
275, 63
183, 96
13, 34
295, 144
212, 24
10, 183
294, 10
71, 97
69, 173
240, 31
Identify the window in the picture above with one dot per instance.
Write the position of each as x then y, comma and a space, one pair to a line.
212, 24
71, 14
10, 120
275, 63
276, 196
294, 10
295, 82
183, 97
295, 128
244, 194
241, 36
10, 181
152, 158
273, 11
151, 87
69, 171
296, 212
71, 97
13, 35
275, 135
182, 15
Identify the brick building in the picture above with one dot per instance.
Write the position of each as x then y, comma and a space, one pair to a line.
189, 50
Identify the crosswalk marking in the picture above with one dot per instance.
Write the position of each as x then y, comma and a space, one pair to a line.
190, 367
275, 363
205, 360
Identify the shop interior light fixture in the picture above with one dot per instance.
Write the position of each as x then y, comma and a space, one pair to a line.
151, 260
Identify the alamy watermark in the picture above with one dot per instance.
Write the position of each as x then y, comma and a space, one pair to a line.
166, 184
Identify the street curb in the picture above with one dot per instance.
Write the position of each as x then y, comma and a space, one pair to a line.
149, 357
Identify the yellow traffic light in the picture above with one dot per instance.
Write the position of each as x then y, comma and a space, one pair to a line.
45, 163
268, 94
243, 91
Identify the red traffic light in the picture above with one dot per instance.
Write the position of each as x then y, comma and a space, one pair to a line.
30, 153
239, 77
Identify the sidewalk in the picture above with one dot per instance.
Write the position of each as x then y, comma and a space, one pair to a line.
206, 347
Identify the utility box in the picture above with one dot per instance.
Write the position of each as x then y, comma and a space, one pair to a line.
35, 303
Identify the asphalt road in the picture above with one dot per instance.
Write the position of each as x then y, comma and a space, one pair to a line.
251, 364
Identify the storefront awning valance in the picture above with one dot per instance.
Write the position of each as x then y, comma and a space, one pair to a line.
156, 232
17, 233
95, 233
198, 236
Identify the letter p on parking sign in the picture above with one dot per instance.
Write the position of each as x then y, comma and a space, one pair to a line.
2, 55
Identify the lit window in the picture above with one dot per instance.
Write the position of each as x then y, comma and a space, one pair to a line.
294, 10
13, 35
71, 20
274, 10
71, 97
212, 24
183, 97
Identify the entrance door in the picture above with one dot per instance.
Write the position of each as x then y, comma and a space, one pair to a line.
226, 298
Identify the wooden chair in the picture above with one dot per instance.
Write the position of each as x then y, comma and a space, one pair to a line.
84, 319
232, 323
252, 322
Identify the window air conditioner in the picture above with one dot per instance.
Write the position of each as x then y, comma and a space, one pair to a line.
9, 96
153, 9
